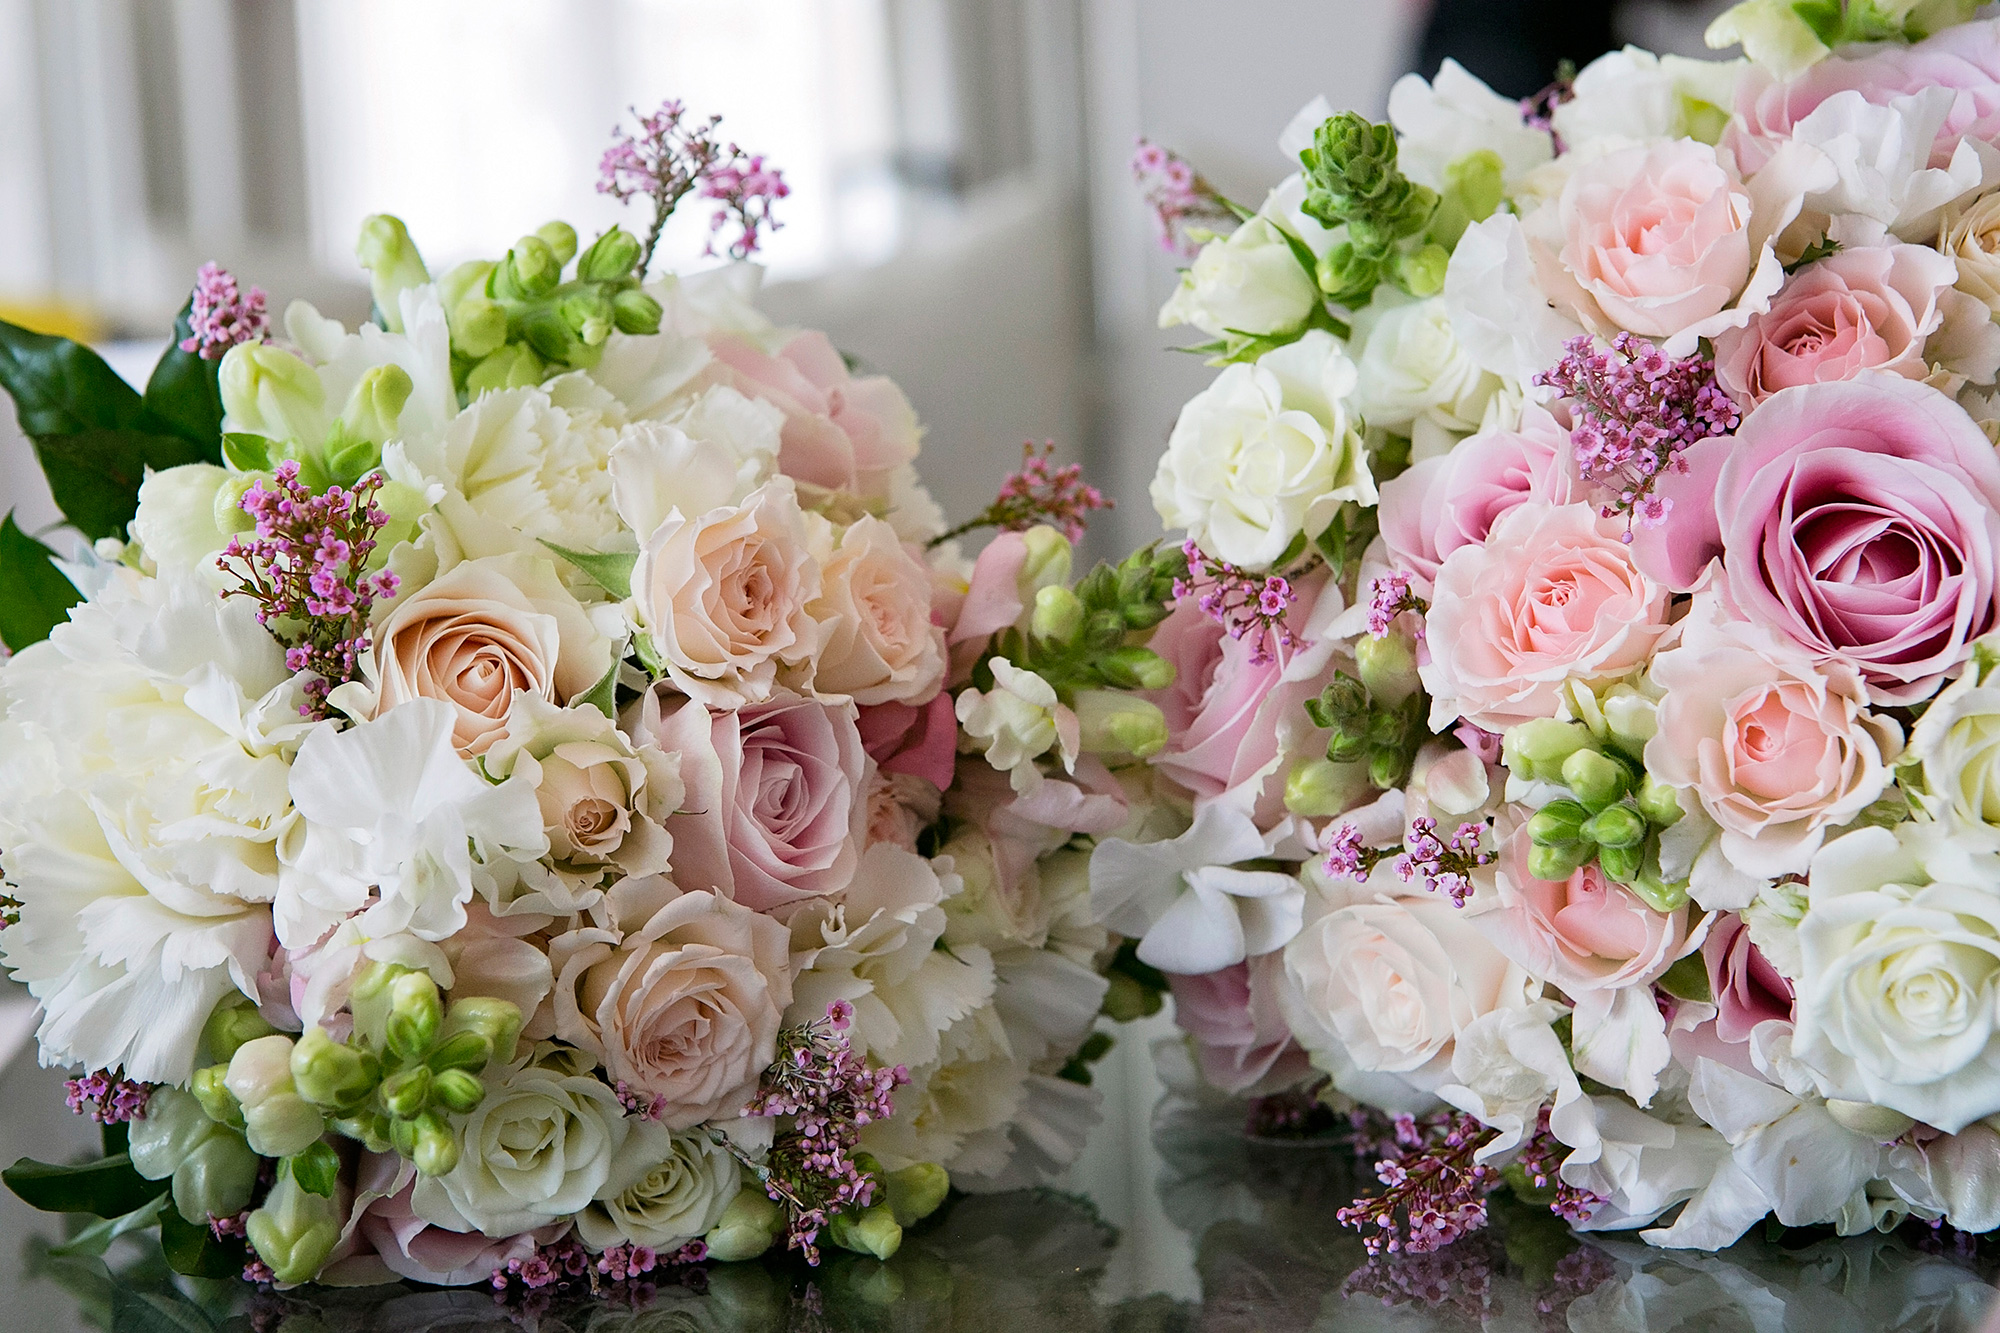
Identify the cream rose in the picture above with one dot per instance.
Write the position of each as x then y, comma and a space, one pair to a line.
482, 631
1955, 746
1267, 452
602, 799
1971, 235
686, 1008
666, 1188
878, 643
1899, 992
1249, 281
723, 597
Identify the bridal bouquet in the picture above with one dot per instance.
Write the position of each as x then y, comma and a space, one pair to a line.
488, 801
1585, 742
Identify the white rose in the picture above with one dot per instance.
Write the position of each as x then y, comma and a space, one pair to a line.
1634, 94
1268, 452
1017, 721
1970, 234
1955, 746
1416, 379
666, 1188
539, 1147
1377, 987
1249, 281
1455, 115
1899, 986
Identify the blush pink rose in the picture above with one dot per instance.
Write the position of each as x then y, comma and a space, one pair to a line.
1587, 933
1857, 519
1659, 237
419, 1251
1869, 308
1964, 58
1242, 1044
840, 433
1776, 747
1443, 503
1747, 989
775, 810
1551, 596
877, 642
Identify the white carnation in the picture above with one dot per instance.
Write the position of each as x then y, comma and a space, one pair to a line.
1445, 120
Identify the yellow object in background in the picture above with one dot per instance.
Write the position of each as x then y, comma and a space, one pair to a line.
60, 318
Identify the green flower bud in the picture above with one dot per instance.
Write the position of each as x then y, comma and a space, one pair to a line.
267, 391
283, 1124
415, 1013
529, 270
464, 280
1317, 788
588, 314
213, 1170
873, 1231
478, 326
547, 333
1346, 274
1388, 768
466, 1051
349, 458
1058, 615
1558, 824
635, 312
260, 1069
1557, 864
561, 240
512, 366
369, 1128
1660, 894
1598, 780
915, 1192
294, 1231
390, 256
1420, 272
1621, 863
499, 1021
1630, 719
376, 404
610, 257
1538, 749
1125, 999
1050, 557
330, 1074
1474, 185
1136, 669
457, 1091
234, 1022
748, 1226
436, 1148
208, 1087
1114, 723
408, 1093
228, 508
1387, 666
1616, 827
1658, 802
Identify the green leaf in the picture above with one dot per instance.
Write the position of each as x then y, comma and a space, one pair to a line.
108, 1187
94, 474
246, 452
97, 1237
316, 1169
185, 393
603, 696
193, 1250
62, 387
1687, 979
609, 570
35, 597
150, 1312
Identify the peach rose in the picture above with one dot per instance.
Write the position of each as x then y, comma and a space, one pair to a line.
840, 433
1860, 309
686, 1008
481, 632
1551, 596
878, 643
1776, 747
723, 597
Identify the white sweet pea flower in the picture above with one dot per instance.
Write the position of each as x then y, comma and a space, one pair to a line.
1186, 902
397, 828
1640, 1164
1247, 282
422, 351
1019, 720
1501, 319
1882, 154
1267, 452
1455, 115
1506, 1065
1635, 95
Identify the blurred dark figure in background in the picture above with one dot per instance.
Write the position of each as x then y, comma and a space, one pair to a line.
1515, 45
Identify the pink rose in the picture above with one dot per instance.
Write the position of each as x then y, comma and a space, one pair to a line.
775, 810
1441, 504
922, 742
877, 642
1585, 934
1776, 747
1552, 596
1964, 59
840, 433
1658, 236
1242, 1044
1861, 309
724, 596
1747, 989
1857, 519
417, 1250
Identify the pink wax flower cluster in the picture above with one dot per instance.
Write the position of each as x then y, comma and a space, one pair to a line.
1435, 1189
1250, 607
673, 155
1038, 493
107, 1100
222, 314
1177, 196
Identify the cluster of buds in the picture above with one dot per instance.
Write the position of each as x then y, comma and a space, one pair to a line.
1039, 494
1185, 207
1435, 1190
671, 157
1612, 816
1353, 182
1248, 606
306, 568
106, 1099
220, 315
1375, 728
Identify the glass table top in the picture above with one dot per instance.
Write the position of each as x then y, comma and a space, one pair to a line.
1173, 1220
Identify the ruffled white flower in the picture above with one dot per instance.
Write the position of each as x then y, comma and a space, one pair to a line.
520, 459
1266, 453
142, 802
1247, 282
1634, 95
1416, 378
977, 1084
1502, 320
1185, 900
1017, 721
396, 828
1882, 154
1444, 121
1506, 1065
